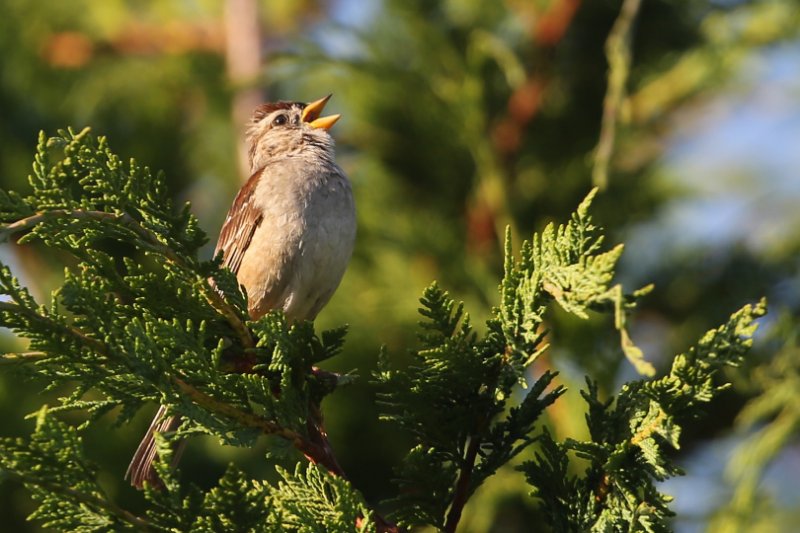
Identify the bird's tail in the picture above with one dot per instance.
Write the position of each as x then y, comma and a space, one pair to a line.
141, 467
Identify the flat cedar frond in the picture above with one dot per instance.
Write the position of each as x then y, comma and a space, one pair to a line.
767, 424
309, 495
564, 263
60, 479
238, 503
629, 435
78, 173
445, 318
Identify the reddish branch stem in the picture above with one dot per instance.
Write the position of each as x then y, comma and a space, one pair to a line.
461, 493
317, 448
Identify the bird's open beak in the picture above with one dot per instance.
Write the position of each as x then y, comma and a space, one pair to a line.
312, 111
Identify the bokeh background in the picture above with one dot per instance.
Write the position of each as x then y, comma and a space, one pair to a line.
461, 117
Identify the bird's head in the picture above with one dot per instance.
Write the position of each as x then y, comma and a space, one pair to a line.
280, 129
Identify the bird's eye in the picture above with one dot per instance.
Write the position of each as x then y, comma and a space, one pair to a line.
280, 120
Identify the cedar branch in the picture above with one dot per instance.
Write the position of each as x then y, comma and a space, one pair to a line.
149, 242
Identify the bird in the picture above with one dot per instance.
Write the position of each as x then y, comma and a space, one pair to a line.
289, 234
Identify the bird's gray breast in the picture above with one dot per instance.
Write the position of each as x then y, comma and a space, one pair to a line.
308, 232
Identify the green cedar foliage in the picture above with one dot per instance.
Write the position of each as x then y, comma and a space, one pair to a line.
767, 425
629, 435
453, 398
139, 318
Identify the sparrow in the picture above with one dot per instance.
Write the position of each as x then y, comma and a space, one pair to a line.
289, 234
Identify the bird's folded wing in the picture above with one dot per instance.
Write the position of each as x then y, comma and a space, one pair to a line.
243, 219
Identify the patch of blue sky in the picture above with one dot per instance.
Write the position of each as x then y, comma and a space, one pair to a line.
738, 160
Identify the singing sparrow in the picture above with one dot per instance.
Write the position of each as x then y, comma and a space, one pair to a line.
288, 235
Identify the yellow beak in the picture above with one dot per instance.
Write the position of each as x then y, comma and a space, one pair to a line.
312, 111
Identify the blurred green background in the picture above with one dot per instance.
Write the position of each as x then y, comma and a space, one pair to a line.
461, 117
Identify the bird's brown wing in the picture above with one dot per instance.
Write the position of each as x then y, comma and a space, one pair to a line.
241, 223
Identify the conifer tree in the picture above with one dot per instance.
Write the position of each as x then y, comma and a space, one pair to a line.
141, 318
